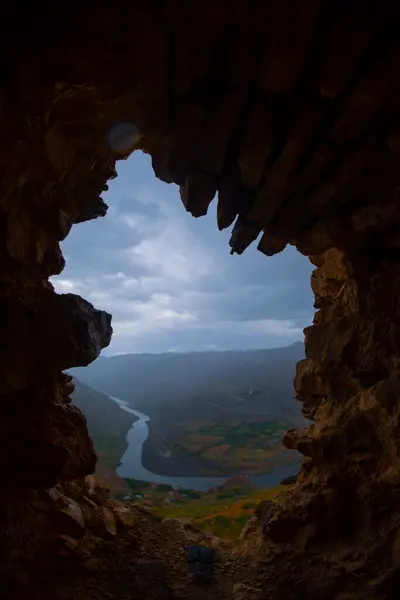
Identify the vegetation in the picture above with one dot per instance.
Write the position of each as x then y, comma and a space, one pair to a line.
222, 512
211, 413
247, 445
108, 426
242, 432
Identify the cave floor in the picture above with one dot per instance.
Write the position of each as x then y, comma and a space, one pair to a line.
142, 556
147, 560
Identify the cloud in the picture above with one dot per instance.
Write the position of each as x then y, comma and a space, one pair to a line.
169, 281
170, 255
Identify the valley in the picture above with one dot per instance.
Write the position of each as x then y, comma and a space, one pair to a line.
221, 511
108, 427
194, 436
210, 413
249, 445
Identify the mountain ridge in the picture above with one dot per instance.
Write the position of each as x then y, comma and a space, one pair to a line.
178, 385
296, 344
202, 406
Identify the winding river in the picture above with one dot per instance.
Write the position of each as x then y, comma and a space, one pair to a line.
131, 466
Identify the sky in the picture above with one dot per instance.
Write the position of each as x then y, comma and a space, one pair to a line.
169, 280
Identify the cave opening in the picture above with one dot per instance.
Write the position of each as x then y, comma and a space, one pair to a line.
172, 288
288, 112
148, 247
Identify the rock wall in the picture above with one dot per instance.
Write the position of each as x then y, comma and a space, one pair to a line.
288, 113
346, 501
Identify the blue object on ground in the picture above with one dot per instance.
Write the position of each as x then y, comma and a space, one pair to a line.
192, 553
201, 559
207, 555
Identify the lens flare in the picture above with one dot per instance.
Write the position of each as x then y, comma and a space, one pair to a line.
123, 137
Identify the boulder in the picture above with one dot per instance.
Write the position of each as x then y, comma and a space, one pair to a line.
56, 496
69, 520
109, 521
264, 512
66, 544
289, 480
250, 527
92, 487
92, 564
102, 521
98, 489
124, 516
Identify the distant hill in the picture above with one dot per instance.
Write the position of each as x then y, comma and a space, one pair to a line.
211, 413
202, 383
108, 426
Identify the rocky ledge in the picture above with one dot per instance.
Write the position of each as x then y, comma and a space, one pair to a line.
83, 546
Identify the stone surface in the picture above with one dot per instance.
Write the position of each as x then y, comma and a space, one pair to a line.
293, 124
70, 520
289, 480
240, 591
102, 521
123, 516
47, 441
264, 512
150, 579
66, 544
67, 324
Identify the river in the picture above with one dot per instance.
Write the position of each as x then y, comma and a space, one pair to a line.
131, 466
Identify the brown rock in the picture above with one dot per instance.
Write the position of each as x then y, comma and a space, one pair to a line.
69, 520
102, 521
66, 544
58, 446
270, 245
232, 197
387, 391
61, 321
97, 489
124, 517
240, 591
298, 102
282, 528
88, 503
197, 192
109, 520
264, 512
243, 234
250, 527
92, 564
257, 142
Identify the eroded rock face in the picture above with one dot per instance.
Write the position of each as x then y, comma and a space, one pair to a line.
69, 325
348, 490
46, 440
293, 125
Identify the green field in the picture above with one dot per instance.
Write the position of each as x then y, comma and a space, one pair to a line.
222, 512
244, 433
249, 429
248, 446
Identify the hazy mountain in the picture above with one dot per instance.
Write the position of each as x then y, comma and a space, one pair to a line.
204, 383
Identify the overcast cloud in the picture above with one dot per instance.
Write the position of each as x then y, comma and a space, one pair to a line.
169, 280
